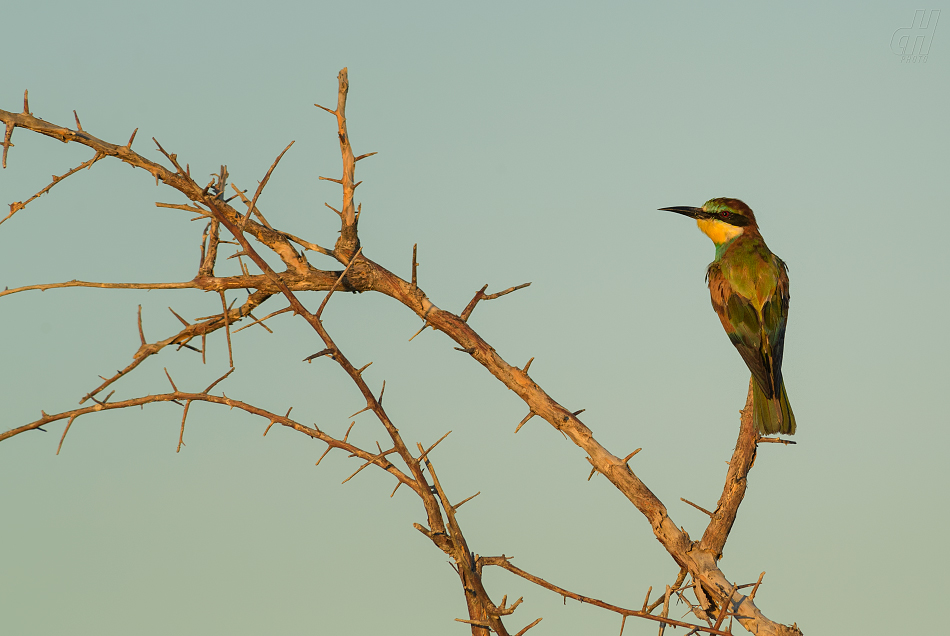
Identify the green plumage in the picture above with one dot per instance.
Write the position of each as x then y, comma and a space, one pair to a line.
748, 286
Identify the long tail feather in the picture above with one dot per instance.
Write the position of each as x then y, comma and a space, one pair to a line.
774, 415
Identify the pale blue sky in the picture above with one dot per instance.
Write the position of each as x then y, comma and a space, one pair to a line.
517, 142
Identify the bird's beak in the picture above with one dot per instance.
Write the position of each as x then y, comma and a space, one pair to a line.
693, 213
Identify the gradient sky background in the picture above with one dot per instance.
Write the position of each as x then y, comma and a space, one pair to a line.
517, 142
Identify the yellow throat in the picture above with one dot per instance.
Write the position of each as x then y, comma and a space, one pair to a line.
718, 231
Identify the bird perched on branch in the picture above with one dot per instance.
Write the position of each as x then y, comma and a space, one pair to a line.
749, 289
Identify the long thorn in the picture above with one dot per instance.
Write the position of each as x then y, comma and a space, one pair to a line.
227, 327
141, 332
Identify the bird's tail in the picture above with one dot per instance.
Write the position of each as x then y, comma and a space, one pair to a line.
772, 415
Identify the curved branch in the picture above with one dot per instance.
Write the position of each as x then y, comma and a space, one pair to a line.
183, 396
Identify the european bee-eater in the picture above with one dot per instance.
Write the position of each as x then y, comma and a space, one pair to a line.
749, 289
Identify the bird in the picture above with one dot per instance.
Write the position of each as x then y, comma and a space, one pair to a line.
748, 285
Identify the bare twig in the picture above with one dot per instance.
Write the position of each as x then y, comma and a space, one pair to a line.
481, 295
700, 508
19, 205
527, 366
525, 420
337, 284
308, 245
467, 312
221, 379
170, 381
666, 609
181, 434
421, 329
141, 332
423, 456
630, 456
527, 627
506, 291
467, 499
775, 440
415, 279
757, 584
227, 327
726, 608
65, 430
81, 283
260, 188
677, 585
261, 321
318, 354
370, 461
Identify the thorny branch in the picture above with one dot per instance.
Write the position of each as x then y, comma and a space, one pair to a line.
505, 562
698, 558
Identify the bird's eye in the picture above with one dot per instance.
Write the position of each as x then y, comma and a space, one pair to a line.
723, 214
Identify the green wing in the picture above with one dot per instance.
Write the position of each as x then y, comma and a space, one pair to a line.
758, 335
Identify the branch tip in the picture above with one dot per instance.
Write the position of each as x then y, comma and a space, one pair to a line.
775, 440
424, 325
168, 375
180, 319
215, 383
415, 265
756, 588
700, 508
227, 322
141, 332
426, 452
181, 434
66, 430
260, 188
527, 627
628, 457
525, 420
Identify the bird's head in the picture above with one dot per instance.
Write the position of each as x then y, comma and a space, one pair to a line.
720, 219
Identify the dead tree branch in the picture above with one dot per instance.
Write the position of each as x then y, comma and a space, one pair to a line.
699, 558
505, 562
